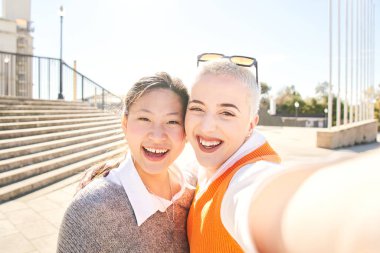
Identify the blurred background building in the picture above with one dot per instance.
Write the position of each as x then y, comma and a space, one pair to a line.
15, 37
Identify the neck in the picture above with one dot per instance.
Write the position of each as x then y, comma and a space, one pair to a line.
206, 173
158, 184
209, 173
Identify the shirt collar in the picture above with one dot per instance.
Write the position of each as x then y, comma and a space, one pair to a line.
253, 142
127, 176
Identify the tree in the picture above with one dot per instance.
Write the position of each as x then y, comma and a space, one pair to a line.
377, 106
322, 91
265, 88
264, 103
286, 99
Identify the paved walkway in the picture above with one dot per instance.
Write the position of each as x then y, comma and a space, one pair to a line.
30, 224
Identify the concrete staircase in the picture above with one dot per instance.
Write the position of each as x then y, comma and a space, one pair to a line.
45, 141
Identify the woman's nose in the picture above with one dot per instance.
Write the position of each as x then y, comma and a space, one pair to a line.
157, 133
208, 123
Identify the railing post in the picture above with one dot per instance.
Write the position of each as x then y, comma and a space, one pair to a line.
103, 99
39, 77
75, 81
49, 78
82, 88
95, 99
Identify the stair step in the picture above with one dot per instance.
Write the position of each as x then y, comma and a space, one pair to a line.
32, 159
10, 119
50, 160
17, 142
28, 185
43, 112
45, 107
34, 124
45, 141
52, 129
29, 101
39, 147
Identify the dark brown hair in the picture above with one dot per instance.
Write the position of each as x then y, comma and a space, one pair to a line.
160, 80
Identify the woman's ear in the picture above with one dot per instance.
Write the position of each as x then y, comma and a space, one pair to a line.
124, 122
252, 124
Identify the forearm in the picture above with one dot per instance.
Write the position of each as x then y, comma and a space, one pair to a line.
332, 209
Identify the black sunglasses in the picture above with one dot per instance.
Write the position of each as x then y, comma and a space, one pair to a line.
239, 60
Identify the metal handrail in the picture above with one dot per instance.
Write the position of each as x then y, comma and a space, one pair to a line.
25, 75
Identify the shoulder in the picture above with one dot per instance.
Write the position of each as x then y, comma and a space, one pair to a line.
255, 171
92, 216
95, 197
186, 199
186, 173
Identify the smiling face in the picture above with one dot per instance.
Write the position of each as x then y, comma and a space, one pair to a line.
218, 119
154, 130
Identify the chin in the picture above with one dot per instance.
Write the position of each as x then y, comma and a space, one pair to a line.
154, 170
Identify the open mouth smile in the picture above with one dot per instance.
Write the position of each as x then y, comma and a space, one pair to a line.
155, 154
209, 145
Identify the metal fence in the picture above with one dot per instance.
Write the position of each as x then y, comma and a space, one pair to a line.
38, 77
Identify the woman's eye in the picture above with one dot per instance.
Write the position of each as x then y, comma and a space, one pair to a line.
173, 122
196, 109
228, 114
143, 119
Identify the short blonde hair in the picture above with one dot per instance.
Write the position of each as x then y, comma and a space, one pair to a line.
243, 74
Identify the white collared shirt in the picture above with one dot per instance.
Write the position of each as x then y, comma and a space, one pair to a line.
127, 176
238, 196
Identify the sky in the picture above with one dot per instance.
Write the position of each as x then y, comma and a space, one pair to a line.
115, 42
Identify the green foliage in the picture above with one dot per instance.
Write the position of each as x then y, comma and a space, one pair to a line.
264, 103
310, 107
377, 106
265, 88
286, 99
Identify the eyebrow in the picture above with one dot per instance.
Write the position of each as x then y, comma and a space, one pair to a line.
196, 101
222, 105
230, 105
168, 114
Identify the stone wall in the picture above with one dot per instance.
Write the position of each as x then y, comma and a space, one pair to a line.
347, 135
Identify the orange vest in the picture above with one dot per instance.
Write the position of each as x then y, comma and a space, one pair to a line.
205, 229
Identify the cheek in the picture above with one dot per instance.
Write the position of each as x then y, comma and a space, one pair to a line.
134, 132
177, 134
190, 121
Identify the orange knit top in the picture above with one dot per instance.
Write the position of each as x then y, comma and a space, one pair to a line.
205, 229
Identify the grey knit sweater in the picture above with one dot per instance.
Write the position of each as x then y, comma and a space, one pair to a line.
101, 219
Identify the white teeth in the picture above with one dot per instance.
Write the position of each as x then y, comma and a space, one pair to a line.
209, 143
157, 151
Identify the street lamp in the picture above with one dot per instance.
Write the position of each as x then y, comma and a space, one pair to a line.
60, 95
6, 70
296, 105
326, 111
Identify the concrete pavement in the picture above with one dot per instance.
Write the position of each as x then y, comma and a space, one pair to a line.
30, 223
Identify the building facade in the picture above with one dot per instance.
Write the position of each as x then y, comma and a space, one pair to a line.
15, 37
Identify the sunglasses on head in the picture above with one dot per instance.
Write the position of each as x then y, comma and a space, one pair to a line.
239, 60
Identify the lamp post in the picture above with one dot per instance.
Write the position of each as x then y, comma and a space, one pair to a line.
296, 105
60, 95
326, 111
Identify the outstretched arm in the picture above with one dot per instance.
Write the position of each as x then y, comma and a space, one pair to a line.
331, 209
